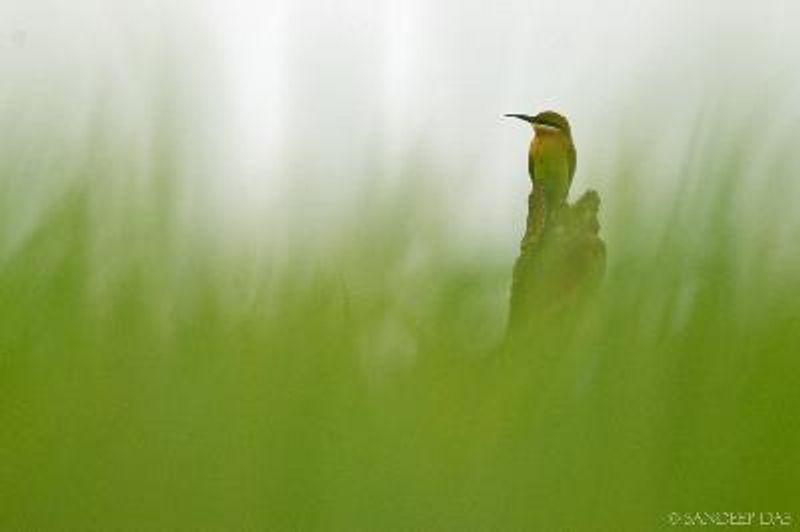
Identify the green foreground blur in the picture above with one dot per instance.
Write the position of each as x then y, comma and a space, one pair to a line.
148, 384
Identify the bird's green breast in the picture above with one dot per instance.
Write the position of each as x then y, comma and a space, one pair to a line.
551, 166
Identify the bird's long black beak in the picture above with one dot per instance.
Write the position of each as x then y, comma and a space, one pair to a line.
526, 118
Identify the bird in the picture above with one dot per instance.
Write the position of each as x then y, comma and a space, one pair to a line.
552, 157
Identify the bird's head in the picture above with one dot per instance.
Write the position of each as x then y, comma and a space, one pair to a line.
546, 122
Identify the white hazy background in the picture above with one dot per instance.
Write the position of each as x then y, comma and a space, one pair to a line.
291, 109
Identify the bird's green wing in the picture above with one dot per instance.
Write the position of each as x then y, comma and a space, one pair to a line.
573, 161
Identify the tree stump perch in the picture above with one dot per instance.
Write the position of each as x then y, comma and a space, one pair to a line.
562, 257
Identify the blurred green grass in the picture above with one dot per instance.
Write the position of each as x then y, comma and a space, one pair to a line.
148, 383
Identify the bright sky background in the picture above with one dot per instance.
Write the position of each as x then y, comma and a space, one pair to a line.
322, 97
